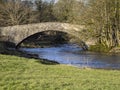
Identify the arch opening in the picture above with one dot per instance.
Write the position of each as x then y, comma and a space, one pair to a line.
45, 38
50, 38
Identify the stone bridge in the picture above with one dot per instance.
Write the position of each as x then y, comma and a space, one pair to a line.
17, 34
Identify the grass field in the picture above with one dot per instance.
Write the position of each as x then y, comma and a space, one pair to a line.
17, 73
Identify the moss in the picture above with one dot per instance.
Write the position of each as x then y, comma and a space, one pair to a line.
99, 48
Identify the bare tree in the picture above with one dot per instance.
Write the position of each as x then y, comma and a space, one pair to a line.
45, 10
15, 13
102, 16
69, 11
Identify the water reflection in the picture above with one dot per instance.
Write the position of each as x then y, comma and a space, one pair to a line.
73, 55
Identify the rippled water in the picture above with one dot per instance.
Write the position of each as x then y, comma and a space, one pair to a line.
73, 55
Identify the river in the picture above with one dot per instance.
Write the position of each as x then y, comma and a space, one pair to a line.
72, 54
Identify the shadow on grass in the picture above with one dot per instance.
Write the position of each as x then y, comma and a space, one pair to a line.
5, 51
30, 56
47, 62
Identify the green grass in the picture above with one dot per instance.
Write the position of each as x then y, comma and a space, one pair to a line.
17, 73
99, 48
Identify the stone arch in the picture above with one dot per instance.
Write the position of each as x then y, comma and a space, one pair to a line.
18, 44
15, 34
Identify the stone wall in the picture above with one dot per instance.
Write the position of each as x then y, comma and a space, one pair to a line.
16, 34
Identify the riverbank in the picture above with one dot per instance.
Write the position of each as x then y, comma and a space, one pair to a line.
13, 52
17, 73
104, 49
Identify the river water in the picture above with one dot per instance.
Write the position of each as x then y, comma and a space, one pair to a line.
72, 54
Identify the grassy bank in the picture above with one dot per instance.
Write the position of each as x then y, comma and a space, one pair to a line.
18, 73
